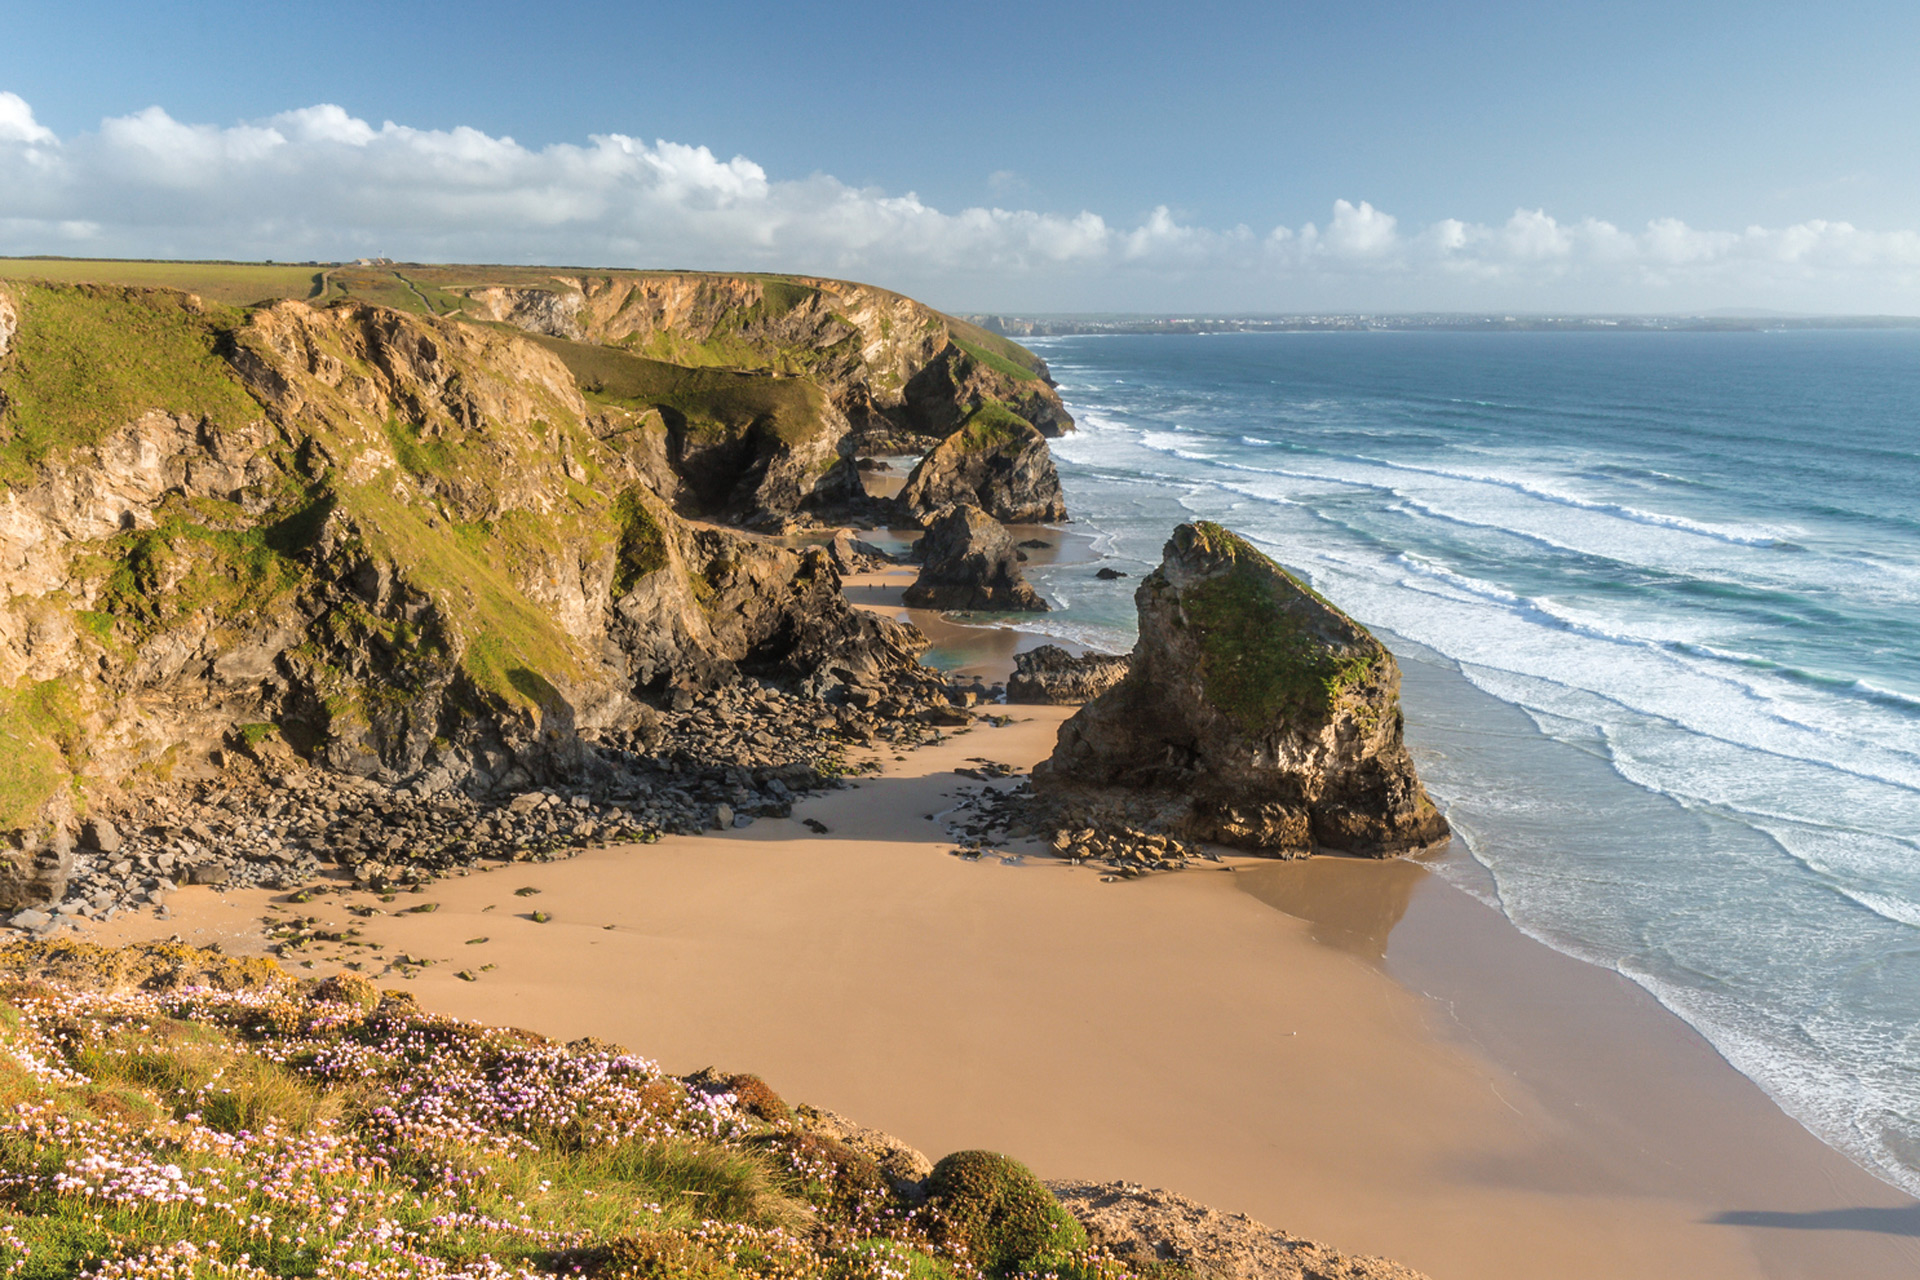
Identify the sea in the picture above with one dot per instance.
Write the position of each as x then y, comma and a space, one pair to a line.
1678, 574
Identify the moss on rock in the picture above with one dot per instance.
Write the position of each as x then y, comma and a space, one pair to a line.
1263, 660
1003, 1215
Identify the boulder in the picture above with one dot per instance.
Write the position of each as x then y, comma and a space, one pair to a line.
36, 857
851, 555
969, 562
100, 835
1049, 674
1254, 714
997, 461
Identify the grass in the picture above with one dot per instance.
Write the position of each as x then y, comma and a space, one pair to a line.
990, 426
643, 543
191, 560
88, 359
1262, 659
32, 764
228, 283
168, 1114
710, 401
998, 353
504, 632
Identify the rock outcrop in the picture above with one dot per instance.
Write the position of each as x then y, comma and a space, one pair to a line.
1254, 714
886, 362
969, 562
1149, 1230
996, 461
404, 546
1049, 674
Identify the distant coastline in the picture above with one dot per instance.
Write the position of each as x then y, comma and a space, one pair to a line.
1070, 325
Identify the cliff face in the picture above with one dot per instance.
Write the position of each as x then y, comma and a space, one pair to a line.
996, 461
969, 562
885, 361
1253, 713
398, 542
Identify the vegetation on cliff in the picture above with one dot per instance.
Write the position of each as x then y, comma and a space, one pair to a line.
172, 1113
1262, 660
89, 358
1252, 713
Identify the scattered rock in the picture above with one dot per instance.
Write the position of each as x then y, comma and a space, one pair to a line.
1254, 714
1153, 1231
969, 562
1049, 674
1107, 573
100, 835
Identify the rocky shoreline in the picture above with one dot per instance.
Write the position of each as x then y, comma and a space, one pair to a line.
740, 753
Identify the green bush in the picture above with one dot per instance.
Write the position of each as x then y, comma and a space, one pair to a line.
1003, 1216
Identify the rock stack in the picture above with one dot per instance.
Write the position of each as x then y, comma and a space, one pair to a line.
1254, 714
969, 562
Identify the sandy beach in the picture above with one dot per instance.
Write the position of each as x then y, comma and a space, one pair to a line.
1235, 1033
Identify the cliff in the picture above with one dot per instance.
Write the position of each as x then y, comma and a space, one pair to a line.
886, 362
399, 543
1253, 713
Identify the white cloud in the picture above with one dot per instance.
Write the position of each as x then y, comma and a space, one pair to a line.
17, 123
1360, 231
321, 183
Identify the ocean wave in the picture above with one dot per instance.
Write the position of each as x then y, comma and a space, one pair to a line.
1733, 535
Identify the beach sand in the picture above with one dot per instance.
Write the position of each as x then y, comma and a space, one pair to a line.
1349, 1050
1176, 1031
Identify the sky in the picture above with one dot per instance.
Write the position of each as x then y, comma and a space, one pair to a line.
1040, 157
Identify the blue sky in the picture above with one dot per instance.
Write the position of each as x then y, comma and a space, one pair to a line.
1623, 157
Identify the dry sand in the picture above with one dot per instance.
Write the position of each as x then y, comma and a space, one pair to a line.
1177, 1031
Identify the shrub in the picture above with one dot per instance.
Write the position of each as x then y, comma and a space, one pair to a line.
651, 1255
757, 1098
845, 1182
1003, 1216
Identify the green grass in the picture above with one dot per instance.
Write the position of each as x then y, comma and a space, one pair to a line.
1261, 661
1001, 354
230, 283
708, 400
198, 555
88, 359
368, 1143
504, 632
643, 544
989, 427
32, 764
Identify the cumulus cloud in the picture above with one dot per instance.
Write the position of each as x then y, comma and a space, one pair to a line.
321, 183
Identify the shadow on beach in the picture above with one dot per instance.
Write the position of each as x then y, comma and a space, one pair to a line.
1902, 1221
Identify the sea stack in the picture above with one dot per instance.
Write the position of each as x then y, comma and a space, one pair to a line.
1254, 714
969, 562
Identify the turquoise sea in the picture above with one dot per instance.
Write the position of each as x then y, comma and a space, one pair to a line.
1692, 558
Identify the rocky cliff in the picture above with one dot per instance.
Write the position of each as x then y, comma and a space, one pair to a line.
1253, 713
888, 364
399, 543
994, 460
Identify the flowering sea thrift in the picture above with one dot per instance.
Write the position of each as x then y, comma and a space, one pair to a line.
330, 1131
